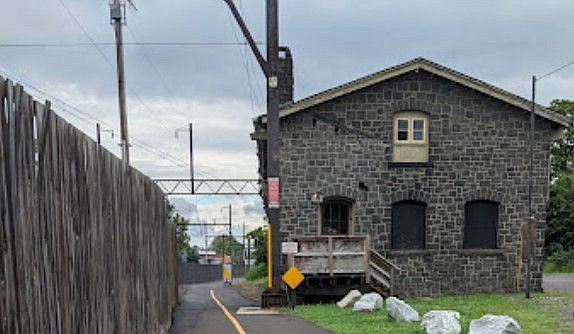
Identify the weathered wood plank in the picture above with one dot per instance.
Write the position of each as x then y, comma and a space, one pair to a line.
86, 245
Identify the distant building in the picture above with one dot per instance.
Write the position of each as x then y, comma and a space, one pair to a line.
212, 258
430, 163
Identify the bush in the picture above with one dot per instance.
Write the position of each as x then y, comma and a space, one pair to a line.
560, 261
257, 272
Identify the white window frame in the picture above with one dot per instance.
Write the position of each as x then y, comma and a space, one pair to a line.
411, 130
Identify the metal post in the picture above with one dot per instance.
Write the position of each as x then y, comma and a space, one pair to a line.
273, 135
206, 258
98, 134
191, 174
530, 189
230, 235
117, 16
243, 245
248, 253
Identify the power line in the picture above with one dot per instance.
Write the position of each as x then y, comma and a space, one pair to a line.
253, 93
554, 71
132, 91
143, 44
90, 119
161, 75
85, 31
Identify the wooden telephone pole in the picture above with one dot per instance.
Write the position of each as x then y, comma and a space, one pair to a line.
117, 16
274, 295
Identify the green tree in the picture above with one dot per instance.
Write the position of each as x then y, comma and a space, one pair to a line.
228, 245
563, 149
193, 254
560, 230
559, 241
259, 237
185, 253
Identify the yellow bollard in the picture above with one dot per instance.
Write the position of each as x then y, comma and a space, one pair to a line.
269, 258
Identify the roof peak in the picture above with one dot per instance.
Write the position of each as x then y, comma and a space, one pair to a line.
429, 66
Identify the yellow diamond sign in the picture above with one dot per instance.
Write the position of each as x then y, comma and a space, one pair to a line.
293, 277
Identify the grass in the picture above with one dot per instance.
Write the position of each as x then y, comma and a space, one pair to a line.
258, 281
553, 268
252, 289
537, 316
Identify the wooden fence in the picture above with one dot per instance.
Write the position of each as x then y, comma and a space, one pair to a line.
86, 245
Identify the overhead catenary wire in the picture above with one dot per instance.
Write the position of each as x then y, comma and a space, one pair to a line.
253, 92
109, 62
92, 120
132, 91
554, 71
134, 44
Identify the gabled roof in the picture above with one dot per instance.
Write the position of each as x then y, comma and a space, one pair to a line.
429, 66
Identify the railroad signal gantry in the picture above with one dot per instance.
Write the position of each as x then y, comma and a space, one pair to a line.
209, 186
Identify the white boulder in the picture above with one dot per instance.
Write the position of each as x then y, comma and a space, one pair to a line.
441, 322
349, 299
494, 324
368, 302
401, 311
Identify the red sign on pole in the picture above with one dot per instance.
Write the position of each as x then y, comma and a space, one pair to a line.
273, 192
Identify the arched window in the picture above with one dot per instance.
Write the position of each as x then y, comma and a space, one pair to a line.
408, 225
410, 137
480, 224
336, 216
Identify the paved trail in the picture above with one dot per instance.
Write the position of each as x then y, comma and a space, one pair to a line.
558, 282
199, 314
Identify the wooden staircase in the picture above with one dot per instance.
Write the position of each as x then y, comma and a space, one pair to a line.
380, 273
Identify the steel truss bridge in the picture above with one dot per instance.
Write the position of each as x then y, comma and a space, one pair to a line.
209, 186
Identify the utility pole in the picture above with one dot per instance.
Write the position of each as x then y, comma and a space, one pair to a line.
274, 295
117, 17
230, 235
206, 261
249, 253
530, 222
273, 137
191, 172
243, 245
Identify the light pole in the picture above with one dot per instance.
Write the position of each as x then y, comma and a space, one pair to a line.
530, 234
530, 221
191, 173
99, 131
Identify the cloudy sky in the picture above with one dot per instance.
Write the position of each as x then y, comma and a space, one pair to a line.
220, 88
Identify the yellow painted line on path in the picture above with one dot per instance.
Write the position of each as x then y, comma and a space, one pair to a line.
231, 318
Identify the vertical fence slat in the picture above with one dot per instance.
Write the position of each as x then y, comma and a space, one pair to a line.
86, 243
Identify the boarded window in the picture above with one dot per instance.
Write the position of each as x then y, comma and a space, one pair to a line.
408, 225
335, 216
481, 219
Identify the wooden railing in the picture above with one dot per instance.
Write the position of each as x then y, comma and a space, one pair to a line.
381, 272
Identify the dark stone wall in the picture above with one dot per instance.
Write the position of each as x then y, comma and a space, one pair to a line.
478, 150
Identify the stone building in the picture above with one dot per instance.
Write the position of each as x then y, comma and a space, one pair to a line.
432, 164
